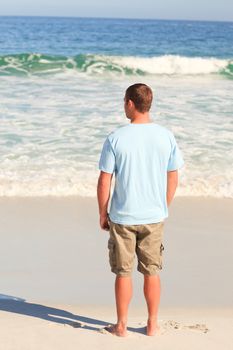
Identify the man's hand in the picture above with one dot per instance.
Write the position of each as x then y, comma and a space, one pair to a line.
104, 222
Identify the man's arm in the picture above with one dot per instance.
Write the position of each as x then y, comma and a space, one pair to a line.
103, 195
172, 182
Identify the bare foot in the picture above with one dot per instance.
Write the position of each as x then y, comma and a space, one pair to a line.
115, 329
152, 327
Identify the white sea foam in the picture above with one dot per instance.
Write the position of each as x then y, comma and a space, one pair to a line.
172, 64
73, 182
52, 131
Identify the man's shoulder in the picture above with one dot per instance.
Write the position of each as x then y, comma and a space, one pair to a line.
118, 131
127, 128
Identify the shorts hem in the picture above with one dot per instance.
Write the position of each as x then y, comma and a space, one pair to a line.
147, 273
122, 274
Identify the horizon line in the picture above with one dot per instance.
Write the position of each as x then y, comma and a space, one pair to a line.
123, 18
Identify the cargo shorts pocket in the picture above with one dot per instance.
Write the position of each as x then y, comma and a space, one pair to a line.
112, 254
161, 256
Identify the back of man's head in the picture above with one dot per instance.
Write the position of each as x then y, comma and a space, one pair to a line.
141, 95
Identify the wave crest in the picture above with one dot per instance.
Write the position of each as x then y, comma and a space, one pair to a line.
37, 64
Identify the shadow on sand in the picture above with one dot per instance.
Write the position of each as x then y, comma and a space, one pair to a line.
21, 306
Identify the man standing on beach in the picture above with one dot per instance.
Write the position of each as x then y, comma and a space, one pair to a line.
145, 159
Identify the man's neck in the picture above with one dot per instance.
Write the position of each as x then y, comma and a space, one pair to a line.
141, 118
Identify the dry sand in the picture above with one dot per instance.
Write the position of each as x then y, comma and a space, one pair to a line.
57, 288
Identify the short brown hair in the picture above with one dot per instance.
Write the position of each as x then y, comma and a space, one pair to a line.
141, 95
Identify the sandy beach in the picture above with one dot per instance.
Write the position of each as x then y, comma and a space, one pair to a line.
57, 288
64, 73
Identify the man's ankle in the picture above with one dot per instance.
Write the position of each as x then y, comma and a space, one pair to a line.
152, 318
122, 324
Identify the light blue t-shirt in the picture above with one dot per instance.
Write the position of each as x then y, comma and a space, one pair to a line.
140, 156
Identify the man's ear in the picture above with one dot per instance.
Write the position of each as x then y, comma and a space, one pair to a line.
130, 103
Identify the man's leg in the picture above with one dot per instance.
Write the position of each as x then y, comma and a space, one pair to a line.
123, 295
152, 289
149, 251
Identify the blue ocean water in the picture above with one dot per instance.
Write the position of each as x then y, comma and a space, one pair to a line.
62, 83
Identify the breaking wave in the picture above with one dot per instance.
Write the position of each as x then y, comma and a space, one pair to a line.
41, 64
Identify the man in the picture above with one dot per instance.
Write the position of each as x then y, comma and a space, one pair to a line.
145, 159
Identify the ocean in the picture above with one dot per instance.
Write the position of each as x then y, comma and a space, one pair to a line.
62, 84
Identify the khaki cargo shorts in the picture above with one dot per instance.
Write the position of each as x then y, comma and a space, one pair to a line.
145, 240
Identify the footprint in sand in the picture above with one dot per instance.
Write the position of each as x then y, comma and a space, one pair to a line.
175, 325
164, 327
198, 327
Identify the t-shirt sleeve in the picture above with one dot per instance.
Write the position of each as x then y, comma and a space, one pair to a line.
107, 158
176, 160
